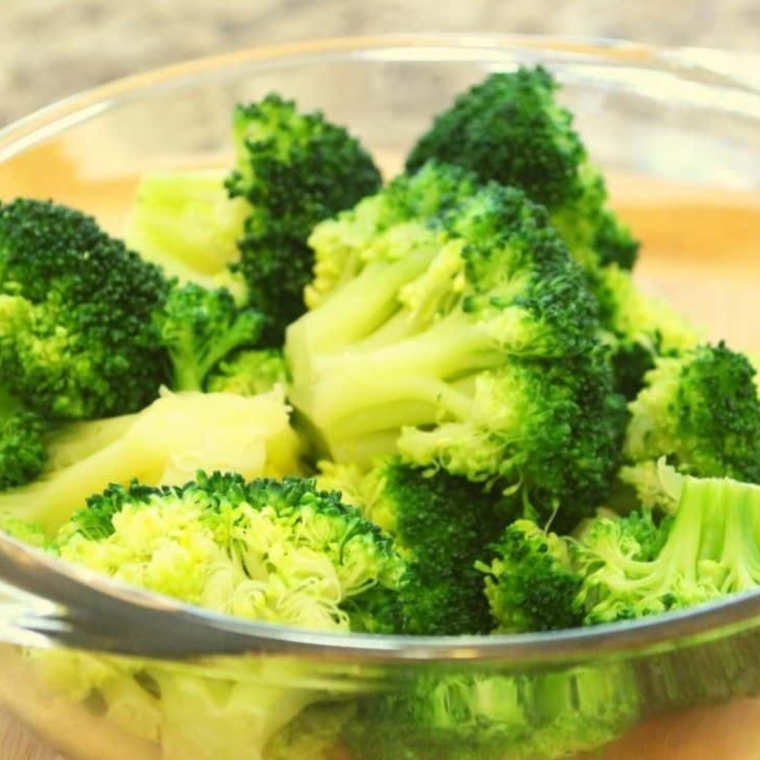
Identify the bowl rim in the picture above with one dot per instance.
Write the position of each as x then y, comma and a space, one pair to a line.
139, 621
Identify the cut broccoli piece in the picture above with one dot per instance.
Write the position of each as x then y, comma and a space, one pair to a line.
200, 328
186, 223
707, 551
294, 169
702, 412
77, 338
164, 444
467, 341
531, 584
493, 717
638, 327
510, 129
441, 525
23, 450
249, 373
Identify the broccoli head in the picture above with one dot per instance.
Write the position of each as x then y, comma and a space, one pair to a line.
269, 550
466, 341
510, 129
249, 373
23, 449
702, 412
440, 524
77, 338
201, 327
707, 551
294, 169
531, 584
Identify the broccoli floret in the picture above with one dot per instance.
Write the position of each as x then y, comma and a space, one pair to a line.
510, 129
702, 412
77, 339
249, 373
531, 584
638, 327
466, 342
23, 450
294, 169
441, 525
270, 550
164, 444
187, 224
491, 717
201, 327
707, 551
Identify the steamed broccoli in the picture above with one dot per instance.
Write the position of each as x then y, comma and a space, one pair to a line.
77, 339
702, 412
187, 224
248, 373
531, 584
494, 717
510, 129
294, 169
200, 328
464, 340
162, 445
23, 450
441, 525
709, 550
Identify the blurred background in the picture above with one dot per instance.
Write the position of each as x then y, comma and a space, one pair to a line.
53, 48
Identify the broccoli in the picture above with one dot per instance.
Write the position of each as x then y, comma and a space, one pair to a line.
466, 342
77, 339
249, 373
639, 328
164, 444
702, 412
201, 327
276, 551
531, 584
441, 524
511, 130
186, 223
294, 169
707, 551
493, 717
23, 450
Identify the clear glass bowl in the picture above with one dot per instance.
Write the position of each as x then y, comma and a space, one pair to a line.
677, 132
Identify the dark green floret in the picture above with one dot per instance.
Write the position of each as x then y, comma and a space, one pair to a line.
531, 584
702, 412
441, 525
23, 452
295, 169
77, 338
200, 328
510, 129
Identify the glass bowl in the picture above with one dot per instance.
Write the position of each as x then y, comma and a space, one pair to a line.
677, 133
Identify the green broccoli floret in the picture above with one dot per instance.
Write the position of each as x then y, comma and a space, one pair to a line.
466, 342
201, 327
23, 450
187, 224
707, 551
277, 551
531, 584
77, 338
510, 129
639, 328
492, 717
441, 525
295, 169
249, 373
702, 412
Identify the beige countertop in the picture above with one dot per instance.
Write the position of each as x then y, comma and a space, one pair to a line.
52, 48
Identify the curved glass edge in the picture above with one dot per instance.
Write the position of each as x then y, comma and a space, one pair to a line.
56, 604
